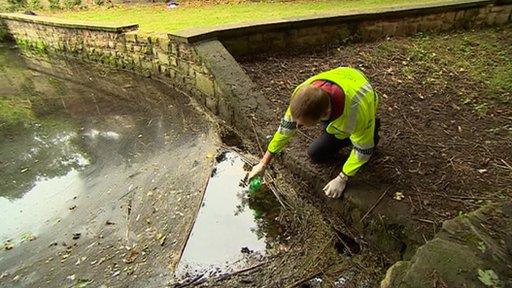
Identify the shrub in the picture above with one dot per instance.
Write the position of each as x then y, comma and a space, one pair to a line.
34, 4
14, 5
54, 4
72, 3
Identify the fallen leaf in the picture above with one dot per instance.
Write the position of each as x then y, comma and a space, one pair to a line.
131, 256
80, 283
162, 240
27, 236
489, 278
399, 196
8, 245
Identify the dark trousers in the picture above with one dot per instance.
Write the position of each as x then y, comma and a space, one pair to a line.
327, 146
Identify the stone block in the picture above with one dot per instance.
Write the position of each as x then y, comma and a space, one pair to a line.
471, 13
502, 18
163, 69
183, 66
372, 31
130, 37
400, 29
173, 61
174, 48
389, 28
204, 84
257, 37
146, 65
449, 16
120, 47
185, 51
497, 8
172, 73
165, 44
238, 46
163, 58
491, 19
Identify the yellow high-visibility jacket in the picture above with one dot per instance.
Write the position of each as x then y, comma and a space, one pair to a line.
356, 122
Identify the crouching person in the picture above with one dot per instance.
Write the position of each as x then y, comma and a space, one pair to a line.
344, 101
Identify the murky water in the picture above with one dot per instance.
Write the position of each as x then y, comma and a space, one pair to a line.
60, 142
234, 228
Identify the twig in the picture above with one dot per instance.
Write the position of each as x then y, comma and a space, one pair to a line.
223, 277
128, 213
257, 138
344, 244
374, 205
429, 144
506, 164
304, 279
321, 251
188, 282
459, 197
276, 192
305, 135
425, 221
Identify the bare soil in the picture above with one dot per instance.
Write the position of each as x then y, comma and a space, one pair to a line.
445, 107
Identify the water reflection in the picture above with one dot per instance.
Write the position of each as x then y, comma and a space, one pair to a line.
48, 199
234, 228
58, 138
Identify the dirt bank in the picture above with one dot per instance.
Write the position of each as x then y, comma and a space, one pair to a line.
445, 109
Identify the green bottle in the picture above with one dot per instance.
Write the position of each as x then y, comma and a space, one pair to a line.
255, 184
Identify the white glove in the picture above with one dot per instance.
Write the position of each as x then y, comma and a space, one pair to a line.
334, 188
258, 169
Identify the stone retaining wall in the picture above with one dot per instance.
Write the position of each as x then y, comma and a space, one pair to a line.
208, 72
306, 32
161, 57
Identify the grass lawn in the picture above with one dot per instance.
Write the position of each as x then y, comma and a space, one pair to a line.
157, 18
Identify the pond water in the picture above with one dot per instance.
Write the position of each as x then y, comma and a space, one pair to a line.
234, 228
60, 141
123, 168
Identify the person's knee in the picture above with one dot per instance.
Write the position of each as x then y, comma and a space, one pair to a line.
376, 136
316, 154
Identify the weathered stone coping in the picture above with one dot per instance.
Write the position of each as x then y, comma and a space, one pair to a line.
59, 22
235, 30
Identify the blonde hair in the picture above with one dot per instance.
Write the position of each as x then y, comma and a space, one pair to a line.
309, 102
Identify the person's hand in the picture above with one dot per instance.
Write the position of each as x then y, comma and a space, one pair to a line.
258, 169
334, 188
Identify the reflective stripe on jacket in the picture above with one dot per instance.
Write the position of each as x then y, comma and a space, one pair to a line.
356, 122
